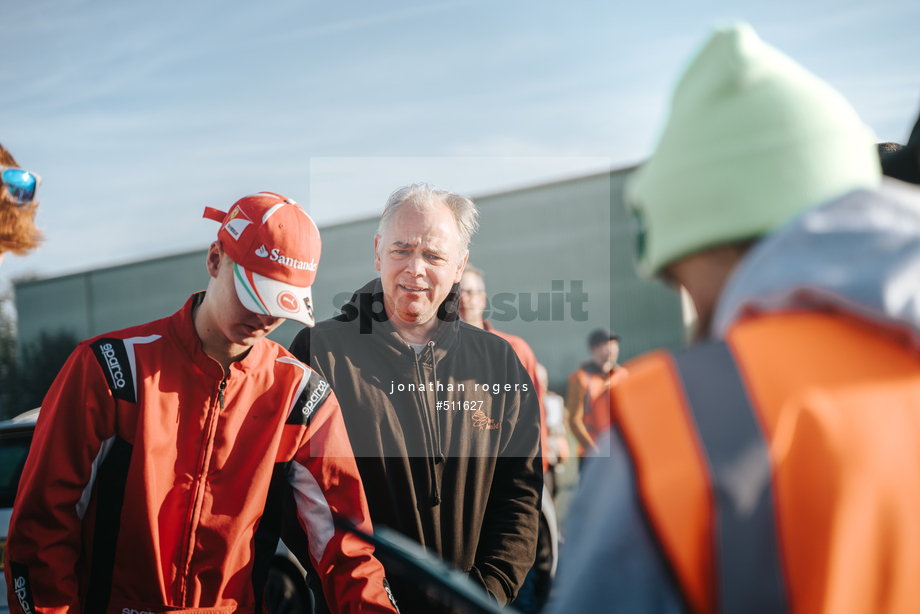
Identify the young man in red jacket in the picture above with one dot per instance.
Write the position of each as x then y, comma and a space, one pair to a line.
156, 445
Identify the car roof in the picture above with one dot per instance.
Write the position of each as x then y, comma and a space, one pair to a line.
25, 419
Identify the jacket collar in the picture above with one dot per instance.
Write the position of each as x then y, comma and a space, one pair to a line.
182, 326
366, 311
858, 255
590, 367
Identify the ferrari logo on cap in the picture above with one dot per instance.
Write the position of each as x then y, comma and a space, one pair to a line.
236, 225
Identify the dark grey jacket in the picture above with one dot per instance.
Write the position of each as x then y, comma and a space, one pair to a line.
445, 462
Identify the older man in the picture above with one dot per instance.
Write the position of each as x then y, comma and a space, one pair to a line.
443, 418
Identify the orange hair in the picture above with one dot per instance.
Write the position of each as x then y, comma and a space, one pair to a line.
18, 233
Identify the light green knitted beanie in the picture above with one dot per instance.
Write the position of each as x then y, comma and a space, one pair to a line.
752, 140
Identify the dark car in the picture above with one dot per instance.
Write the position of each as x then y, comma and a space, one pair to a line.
15, 440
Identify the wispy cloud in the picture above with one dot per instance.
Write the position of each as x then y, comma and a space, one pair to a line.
139, 114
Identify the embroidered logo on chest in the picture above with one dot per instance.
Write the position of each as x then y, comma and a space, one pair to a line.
483, 422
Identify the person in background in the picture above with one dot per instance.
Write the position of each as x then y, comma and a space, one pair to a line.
773, 466
587, 383
18, 233
472, 306
557, 441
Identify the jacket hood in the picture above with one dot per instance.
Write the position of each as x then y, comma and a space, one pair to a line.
858, 254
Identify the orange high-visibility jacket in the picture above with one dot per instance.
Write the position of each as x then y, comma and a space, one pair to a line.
775, 467
586, 386
780, 471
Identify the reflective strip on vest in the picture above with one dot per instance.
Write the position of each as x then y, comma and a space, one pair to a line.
746, 545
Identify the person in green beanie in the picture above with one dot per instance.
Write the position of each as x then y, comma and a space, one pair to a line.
771, 467
753, 140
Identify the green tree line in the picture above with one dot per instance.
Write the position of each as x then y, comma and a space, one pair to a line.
25, 379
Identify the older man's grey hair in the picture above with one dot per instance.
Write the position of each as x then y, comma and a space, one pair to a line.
424, 198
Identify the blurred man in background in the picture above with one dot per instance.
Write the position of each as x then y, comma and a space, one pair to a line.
18, 233
557, 441
472, 306
586, 384
773, 467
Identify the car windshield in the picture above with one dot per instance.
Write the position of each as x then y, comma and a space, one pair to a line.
14, 448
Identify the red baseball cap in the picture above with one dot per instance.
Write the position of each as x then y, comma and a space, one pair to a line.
275, 248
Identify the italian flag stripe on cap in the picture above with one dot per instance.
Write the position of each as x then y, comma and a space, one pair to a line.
250, 288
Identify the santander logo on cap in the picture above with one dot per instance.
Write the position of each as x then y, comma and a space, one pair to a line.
277, 256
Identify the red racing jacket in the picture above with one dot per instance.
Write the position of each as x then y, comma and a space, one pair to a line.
149, 474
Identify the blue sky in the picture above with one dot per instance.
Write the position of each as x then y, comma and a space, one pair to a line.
138, 115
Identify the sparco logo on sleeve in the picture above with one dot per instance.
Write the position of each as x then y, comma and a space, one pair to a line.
386, 587
113, 358
21, 587
118, 378
318, 394
312, 397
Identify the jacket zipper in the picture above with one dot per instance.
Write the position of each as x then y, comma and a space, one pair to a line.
437, 419
426, 410
203, 461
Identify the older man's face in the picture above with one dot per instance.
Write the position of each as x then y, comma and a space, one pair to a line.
418, 262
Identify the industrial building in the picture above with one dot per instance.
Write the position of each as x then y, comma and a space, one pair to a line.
557, 258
